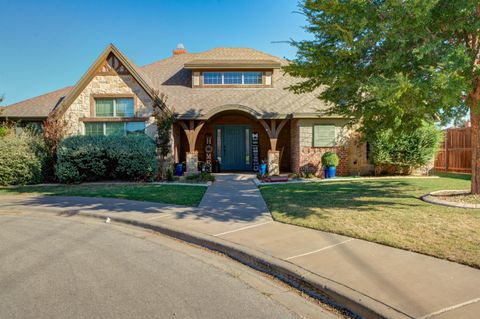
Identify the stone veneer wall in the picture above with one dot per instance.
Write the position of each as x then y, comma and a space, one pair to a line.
109, 84
308, 159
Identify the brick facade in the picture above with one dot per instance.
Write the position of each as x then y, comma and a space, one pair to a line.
311, 160
308, 159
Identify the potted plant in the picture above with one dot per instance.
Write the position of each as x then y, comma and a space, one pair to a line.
330, 163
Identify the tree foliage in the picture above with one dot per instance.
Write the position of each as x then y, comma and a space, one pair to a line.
164, 119
22, 158
54, 129
405, 150
389, 63
394, 64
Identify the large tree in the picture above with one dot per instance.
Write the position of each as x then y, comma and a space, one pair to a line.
394, 63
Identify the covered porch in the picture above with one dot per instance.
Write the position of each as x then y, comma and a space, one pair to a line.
233, 139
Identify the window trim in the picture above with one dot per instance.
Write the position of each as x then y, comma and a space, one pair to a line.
242, 85
95, 96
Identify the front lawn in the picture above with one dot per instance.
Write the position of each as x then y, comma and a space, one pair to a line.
386, 211
168, 194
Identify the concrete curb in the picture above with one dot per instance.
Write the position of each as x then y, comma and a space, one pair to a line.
319, 287
431, 198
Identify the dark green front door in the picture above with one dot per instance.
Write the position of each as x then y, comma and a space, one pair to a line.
234, 152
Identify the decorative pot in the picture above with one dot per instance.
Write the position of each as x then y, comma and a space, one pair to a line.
330, 172
263, 169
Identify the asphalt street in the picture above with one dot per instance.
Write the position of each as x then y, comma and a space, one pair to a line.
73, 267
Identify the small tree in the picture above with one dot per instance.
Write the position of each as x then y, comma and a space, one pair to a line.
164, 119
54, 130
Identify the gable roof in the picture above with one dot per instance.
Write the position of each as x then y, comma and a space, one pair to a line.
88, 76
170, 76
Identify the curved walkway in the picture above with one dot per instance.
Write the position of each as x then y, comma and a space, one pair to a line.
410, 284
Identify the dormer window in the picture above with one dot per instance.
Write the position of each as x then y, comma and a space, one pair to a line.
233, 78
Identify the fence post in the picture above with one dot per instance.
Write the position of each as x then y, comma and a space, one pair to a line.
446, 150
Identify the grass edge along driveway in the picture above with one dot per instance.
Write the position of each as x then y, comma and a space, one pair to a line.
167, 194
385, 211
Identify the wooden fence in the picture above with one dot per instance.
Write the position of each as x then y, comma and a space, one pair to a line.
455, 154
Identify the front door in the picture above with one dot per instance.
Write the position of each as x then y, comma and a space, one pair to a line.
234, 144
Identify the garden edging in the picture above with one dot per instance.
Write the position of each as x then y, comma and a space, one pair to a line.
431, 198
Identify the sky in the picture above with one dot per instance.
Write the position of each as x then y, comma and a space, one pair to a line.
47, 45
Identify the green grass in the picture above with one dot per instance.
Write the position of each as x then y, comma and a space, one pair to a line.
168, 194
386, 211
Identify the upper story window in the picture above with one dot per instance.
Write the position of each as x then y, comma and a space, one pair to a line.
114, 107
232, 78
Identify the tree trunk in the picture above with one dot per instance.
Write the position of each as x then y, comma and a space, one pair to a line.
474, 99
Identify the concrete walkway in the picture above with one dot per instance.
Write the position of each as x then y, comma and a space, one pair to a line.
412, 285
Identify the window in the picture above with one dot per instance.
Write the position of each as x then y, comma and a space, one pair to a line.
35, 127
232, 78
114, 128
117, 129
135, 128
324, 135
212, 78
121, 107
252, 77
94, 128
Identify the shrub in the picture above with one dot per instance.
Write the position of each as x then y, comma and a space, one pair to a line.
170, 173
330, 159
93, 158
202, 177
22, 159
405, 150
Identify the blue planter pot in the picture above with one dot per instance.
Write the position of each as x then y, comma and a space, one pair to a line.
330, 172
263, 169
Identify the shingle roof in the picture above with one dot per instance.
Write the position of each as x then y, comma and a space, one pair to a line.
170, 77
37, 107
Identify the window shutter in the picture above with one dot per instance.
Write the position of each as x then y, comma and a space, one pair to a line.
324, 135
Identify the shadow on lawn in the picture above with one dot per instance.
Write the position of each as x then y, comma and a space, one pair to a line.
303, 200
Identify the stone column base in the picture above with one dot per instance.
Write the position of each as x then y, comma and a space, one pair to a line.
192, 163
273, 162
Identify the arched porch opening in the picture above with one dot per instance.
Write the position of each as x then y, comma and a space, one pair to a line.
233, 139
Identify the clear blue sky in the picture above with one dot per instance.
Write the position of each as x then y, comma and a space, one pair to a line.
47, 45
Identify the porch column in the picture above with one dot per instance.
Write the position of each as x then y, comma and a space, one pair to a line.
191, 131
273, 132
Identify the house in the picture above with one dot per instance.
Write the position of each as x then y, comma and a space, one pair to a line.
233, 106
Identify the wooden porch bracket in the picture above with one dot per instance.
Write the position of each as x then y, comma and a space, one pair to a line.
273, 131
192, 132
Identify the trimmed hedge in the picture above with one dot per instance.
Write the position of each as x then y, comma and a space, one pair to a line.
94, 158
22, 159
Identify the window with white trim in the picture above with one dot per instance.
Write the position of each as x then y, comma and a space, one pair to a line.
233, 78
114, 128
114, 107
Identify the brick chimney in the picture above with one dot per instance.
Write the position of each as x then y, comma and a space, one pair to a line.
180, 49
